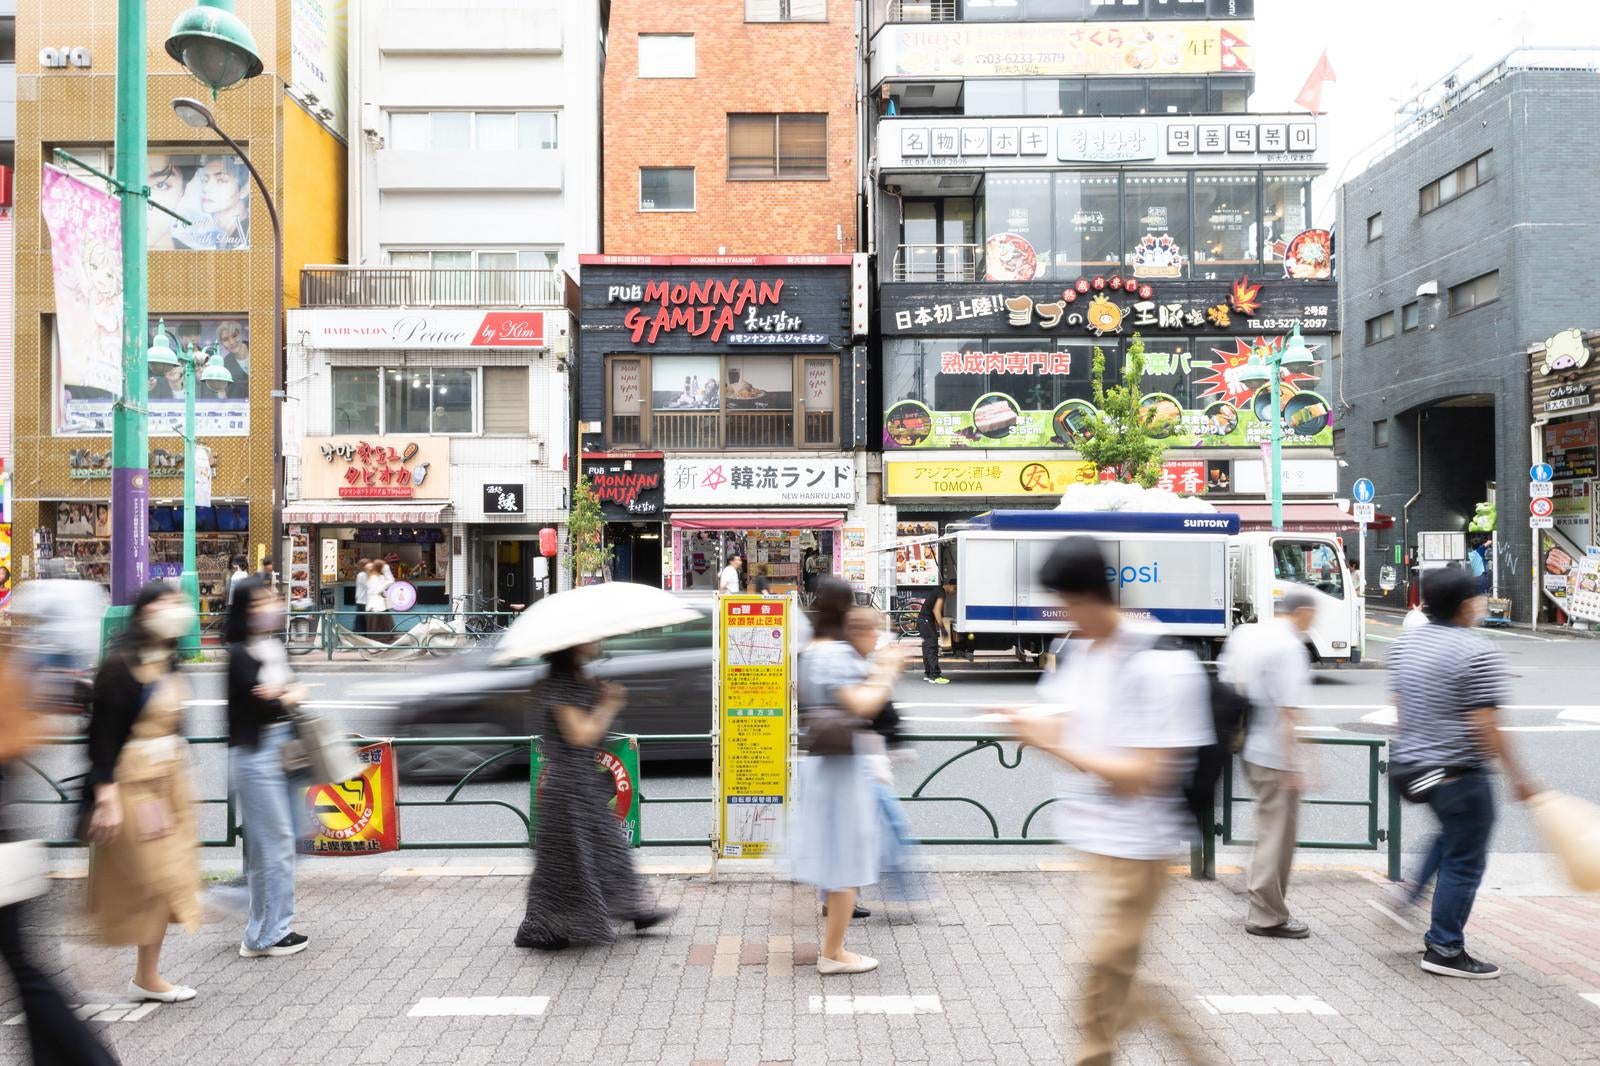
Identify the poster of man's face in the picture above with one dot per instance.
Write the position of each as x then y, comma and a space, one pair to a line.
222, 396
210, 192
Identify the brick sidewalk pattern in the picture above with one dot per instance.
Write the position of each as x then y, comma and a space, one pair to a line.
731, 980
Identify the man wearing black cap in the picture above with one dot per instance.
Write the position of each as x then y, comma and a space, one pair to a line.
1448, 684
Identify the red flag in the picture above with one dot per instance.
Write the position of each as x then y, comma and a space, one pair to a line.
1310, 96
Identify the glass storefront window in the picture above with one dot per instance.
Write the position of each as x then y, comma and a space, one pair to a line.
406, 402
1010, 96
1177, 96
1229, 96
355, 400
759, 392
1156, 224
956, 392
1088, 234
821, 393
1017, 227
1287, 210
627, 401
1115, 96
1166, 372
455, 394
1224, 224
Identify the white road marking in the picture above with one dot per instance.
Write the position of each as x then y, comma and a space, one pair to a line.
1382, 716
1392, 916
1266, 1005
1549, 728
1592, 997
876, 1005
1580, 714
102, 1012
953, 721
479, 1007
340, 705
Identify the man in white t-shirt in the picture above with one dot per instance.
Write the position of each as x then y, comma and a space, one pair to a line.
1268, 662
728, 582
1128, 718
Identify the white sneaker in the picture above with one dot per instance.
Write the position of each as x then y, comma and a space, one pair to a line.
863, 964
175, 994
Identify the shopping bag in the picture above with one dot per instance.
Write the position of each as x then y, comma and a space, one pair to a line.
23, 871
321, 749
1571, 827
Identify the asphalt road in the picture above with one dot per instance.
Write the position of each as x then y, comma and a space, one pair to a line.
1554, 714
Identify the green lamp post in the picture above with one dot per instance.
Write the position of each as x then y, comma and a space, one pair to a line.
1267, 366
211, 368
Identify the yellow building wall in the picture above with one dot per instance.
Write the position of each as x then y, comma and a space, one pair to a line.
315, 197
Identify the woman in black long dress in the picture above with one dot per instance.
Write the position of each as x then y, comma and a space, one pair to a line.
583, 884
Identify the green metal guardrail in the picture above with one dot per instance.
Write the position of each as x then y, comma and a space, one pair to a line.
1202, 857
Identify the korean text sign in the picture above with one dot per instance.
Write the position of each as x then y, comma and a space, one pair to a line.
754, 723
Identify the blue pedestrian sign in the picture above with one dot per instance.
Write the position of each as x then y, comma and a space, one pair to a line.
1364, 491
1541, 472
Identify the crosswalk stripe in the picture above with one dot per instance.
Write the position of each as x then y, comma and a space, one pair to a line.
479, 1006
1266, 1005
876, 1005
1592, 997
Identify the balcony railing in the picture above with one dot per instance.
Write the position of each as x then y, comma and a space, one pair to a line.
406, 287
709, 430
938, 262
923, 11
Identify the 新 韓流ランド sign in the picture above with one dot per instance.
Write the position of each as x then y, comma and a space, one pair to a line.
428, 330
375, 468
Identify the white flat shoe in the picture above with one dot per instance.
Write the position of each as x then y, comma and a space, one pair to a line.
863, 964
176, 994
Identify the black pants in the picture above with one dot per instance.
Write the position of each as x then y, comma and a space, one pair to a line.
930, 649
57, 1036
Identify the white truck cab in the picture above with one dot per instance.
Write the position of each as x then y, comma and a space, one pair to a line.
1269, 562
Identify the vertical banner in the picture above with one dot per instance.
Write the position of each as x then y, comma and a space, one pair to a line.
202, 475
5, 564
86, 258
754, 723
355, 817
618, 759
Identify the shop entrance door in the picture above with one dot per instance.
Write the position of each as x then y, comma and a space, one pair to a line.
513, 577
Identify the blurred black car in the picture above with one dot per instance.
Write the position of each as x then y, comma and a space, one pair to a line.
668, 673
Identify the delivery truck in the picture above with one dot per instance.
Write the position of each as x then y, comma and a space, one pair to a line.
1193, 574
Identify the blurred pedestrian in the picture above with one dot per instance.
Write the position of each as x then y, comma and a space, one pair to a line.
1131, 717
1268, 662
144, 871
56, 1036
377, 612
269, 573
728, 580
261, 693
865, 632
361, 594
1448, 685
241, 570
837, 832
584, 883
930, 627
761, 586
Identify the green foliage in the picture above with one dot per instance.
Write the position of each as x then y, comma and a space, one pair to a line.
586, 553
1123, 436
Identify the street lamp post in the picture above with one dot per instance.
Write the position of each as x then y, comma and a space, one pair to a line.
197, 115
211, 368
1267, 365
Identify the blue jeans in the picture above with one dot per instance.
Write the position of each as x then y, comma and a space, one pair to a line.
269, 809
1465, 808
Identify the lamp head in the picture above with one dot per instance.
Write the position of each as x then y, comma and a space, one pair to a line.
214, 44
160, 352
1255, 372
1295, 353
194, 113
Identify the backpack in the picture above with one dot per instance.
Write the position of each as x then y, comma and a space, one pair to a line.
1230, 715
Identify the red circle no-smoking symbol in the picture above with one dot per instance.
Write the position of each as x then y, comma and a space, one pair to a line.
1541, 507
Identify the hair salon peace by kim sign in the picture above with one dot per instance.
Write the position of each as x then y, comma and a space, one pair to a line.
720, 404
433, 440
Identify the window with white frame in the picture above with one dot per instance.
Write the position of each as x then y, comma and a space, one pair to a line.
786, 10
481, 131
475, 259
441, 401
666, 55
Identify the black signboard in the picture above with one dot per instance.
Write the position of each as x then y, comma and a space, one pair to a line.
627, 487
716, 308
502, 499
1108, 305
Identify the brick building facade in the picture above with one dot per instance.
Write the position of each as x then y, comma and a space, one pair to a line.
742, 64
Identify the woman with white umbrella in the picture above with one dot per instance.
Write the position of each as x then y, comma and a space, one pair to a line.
584, 884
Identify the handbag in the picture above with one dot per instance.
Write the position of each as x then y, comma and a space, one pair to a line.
319, 750
829, 730
23, 871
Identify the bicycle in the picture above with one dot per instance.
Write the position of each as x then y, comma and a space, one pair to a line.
901, 609
481, 614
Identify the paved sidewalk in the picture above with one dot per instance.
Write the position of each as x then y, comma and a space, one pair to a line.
979, 974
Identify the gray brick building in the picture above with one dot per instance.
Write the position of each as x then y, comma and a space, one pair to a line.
1459, 249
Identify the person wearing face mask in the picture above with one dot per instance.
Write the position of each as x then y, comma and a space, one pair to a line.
144, 870
261, 693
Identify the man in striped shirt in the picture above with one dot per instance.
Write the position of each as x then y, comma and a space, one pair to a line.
1448, 684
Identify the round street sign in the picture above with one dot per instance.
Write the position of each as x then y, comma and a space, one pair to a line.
1541, 472
1363, 490
1541, 506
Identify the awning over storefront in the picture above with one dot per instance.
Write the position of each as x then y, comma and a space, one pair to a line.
365, 513
1322, 516
756, 519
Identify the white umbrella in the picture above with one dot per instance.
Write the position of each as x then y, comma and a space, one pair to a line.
589, 613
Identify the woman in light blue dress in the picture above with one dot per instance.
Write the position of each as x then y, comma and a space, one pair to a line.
836, 839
